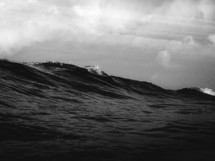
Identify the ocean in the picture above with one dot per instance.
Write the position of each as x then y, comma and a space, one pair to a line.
61, 112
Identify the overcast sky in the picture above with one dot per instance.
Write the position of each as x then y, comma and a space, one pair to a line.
168, 42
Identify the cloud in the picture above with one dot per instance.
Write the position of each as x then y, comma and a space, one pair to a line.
212, 38
164, 58
134, 23
176, 49
190, 41
32, 1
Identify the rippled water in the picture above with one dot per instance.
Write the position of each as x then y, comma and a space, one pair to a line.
53, 111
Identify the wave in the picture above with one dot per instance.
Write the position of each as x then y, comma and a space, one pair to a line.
84, 79
51, 109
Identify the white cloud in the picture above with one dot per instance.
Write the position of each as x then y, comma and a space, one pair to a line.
32, 1
189, 41
2, 6
54, 10
212, 38
164, 58
25, 22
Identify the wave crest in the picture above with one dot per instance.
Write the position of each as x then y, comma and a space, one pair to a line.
95, 70
88, 79
208, 91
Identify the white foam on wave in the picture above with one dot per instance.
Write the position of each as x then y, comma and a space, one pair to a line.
95, 70
208, 91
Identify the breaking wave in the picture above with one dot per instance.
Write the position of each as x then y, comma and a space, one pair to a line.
208, 91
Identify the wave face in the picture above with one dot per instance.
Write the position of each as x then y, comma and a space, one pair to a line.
55, 111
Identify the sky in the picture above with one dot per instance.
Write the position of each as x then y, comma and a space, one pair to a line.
170, 43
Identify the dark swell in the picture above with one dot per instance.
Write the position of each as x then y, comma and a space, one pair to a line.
56, 111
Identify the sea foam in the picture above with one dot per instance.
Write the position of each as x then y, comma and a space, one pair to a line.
208, 91
95, 70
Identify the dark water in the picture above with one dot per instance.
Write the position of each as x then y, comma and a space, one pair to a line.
60, 112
